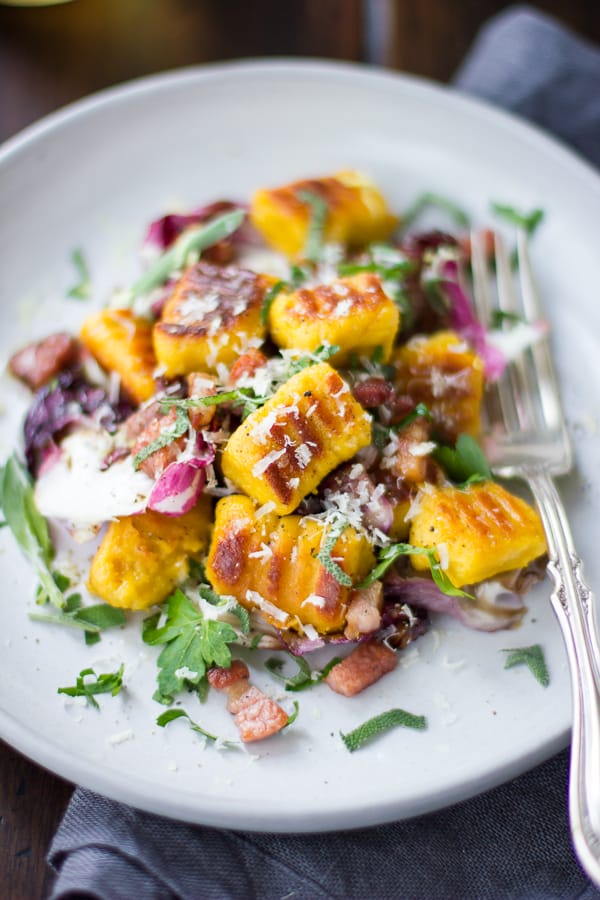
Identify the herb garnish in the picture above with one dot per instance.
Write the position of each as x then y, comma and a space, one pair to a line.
420, 411
533, 657
527, 221
268, 300
305, 677
192, 240
390, 554
90, 619
429, 199
81, 290
109, 683
379, 724
28, 526
169, 715
170, 433
334, 532
466, 463
315, 236
193, 643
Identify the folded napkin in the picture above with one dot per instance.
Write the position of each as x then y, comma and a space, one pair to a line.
512, 842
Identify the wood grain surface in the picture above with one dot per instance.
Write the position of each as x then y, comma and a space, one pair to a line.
52, 55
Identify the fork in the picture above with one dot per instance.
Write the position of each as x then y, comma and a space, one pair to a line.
528, 439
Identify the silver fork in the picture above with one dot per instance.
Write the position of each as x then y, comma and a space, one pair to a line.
527, 439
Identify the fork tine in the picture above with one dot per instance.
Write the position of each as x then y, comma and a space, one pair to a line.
547, 382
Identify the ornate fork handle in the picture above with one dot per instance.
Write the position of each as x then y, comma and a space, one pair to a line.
573, 604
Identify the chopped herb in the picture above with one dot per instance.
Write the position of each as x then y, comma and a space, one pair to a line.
109, 683
500, 316
390, 554
430, 199
170, 433
192, 240
305, 677
268, 300
420, 411
244, 397
334, 532
465, 463
299, 274
533, 657
169, 715
379, 724
62, 583
29, 528
527, 221
243, 615
256, 639
192, 644
292, 718
81, 290
313, 249
384, 260
89, 619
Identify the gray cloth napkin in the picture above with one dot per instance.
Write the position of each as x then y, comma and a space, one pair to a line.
512, 842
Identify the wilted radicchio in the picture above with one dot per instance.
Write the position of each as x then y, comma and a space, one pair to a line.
66, 401
178, 488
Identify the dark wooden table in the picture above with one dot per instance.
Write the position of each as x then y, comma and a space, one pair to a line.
51, 56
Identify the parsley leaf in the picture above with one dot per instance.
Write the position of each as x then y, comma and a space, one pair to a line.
169, 715
305, 677
379, 724
527, 221
429, 199
109, 683
28, 526
192, 240
81, 290
390, 554
170, 433
466, 462
315, 237
192, 644
533, 657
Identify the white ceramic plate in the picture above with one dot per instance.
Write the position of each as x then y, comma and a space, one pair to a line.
93, 176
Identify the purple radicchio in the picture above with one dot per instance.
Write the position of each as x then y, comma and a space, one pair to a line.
179, 486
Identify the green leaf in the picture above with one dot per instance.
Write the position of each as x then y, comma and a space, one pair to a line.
304, 678
192, 240
29, 528
192, 643
528, 221
82, 289
292, 718
243, 615
299, 274
108, 683
390, 554
430, 199
169, 715
533, 657
89, 619
420, 411
465, 461
268, 300
315, 238
170, 433
334, 532
393, 718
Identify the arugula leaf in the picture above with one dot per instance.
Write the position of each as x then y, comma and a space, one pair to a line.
108, 683
533, 657
169, 715
169, 434
315, 237
268, 300
29, 528
89, 619
429, 199
466, 462
528, 221
192, 240
192, 644
390, 554
379, 724
305, 677
334, 532
81, 290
